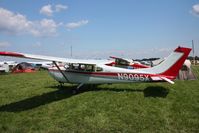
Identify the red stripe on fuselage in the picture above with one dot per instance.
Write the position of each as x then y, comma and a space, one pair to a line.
112, 75
89, 73
116, 74
101, 73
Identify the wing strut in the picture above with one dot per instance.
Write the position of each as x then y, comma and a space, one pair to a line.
61, 71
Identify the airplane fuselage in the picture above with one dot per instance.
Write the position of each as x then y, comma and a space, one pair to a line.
97, 77
108, 75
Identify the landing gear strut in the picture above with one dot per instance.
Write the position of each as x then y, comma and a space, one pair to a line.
60, 71
61, 84
76, 90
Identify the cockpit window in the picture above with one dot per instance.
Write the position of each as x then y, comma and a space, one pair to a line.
67, 66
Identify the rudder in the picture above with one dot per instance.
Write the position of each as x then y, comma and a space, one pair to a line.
174, 69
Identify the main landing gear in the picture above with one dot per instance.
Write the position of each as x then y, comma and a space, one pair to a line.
61, 84
76, 90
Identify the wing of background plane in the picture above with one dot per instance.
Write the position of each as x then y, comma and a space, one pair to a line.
130, 62
118, 58
50, 58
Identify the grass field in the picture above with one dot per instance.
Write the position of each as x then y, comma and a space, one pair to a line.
34, 103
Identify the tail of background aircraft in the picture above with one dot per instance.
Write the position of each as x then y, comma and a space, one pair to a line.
170, 67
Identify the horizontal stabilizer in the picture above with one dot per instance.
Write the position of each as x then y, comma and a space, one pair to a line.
168, 80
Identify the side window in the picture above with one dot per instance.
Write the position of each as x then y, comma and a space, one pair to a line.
82, 67
89, 68
99, 69
76, 66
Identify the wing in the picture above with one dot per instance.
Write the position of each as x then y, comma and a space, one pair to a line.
31, 56
50, 58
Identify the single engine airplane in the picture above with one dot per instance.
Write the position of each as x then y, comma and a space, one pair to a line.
82, 72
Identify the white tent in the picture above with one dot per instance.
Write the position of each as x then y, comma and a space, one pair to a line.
186, 72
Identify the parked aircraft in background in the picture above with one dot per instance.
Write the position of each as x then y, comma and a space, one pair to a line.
127, 63
6, 66
82, 72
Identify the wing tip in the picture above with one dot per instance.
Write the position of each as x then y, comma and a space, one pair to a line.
4, 53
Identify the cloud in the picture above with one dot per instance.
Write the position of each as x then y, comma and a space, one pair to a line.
74, 25
15, 23
48, 27
195, 9
18, 24
60, 7
46, 10
4, 44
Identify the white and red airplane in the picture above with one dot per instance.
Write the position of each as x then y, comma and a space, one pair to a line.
97, 72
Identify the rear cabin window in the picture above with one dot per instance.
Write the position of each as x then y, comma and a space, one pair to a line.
99, 69
80, 67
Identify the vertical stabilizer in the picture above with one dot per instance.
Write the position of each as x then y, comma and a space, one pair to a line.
174, 69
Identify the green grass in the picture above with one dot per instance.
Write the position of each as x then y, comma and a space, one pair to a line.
33, 103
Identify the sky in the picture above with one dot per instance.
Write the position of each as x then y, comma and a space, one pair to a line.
98, 28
